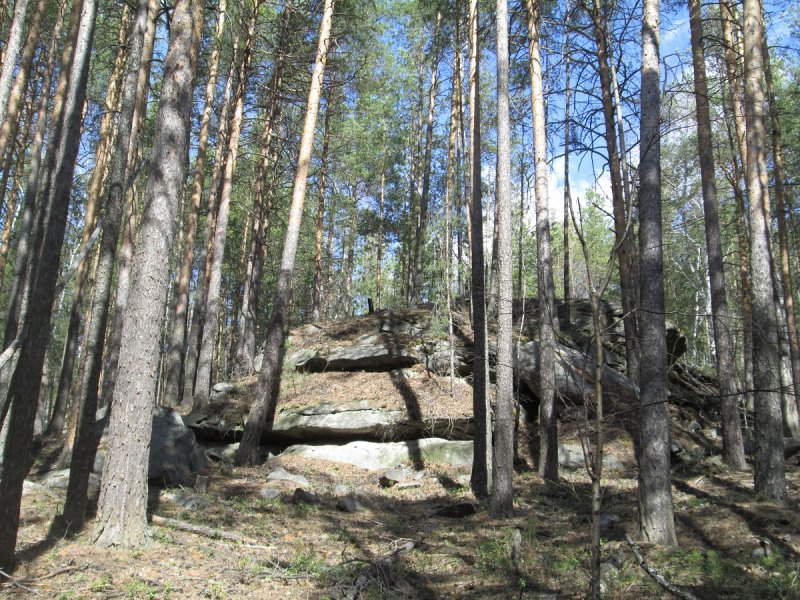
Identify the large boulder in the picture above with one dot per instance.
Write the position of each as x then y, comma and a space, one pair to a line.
175, 454
367, 353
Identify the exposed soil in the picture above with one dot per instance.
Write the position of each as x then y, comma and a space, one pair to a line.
298, 550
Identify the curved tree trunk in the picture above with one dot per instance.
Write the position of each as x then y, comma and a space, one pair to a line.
262, 410
656, 521
121, 517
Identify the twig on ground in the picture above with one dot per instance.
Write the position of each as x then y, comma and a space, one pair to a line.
15, 583
658, 577
208, 532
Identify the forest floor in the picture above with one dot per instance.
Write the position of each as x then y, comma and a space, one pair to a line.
731, 545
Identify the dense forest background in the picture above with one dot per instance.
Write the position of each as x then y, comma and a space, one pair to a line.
223, 172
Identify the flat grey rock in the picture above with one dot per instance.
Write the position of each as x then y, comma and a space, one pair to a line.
281, 474
376, 455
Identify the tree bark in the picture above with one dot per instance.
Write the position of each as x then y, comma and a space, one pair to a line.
262, 205
502, 498
622, 232
787, 283
8, 131
564, 314
202, 389
27, 378
481, 478
769, 468
422, 212
732, 443
121, 517
131, 199
86, 405
31, 212
316, 303
10, 53
656, 522
196, 329
177, 339
102, 154
262, 410
548, 421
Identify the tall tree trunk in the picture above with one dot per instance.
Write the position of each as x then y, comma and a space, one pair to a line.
177, 338
481, 478
656, 522
202, 389
13, 201
10, 53
262, 205
194, 336
86, 406
26, 381
30, 216
769, 468
737, 109
565, 313
548, 421
422, 212
622, 233
316, 303
787, 283
123, 495
8, 131
102, 154
733, 445
262, 410
379, 233
502, 498
131, 201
